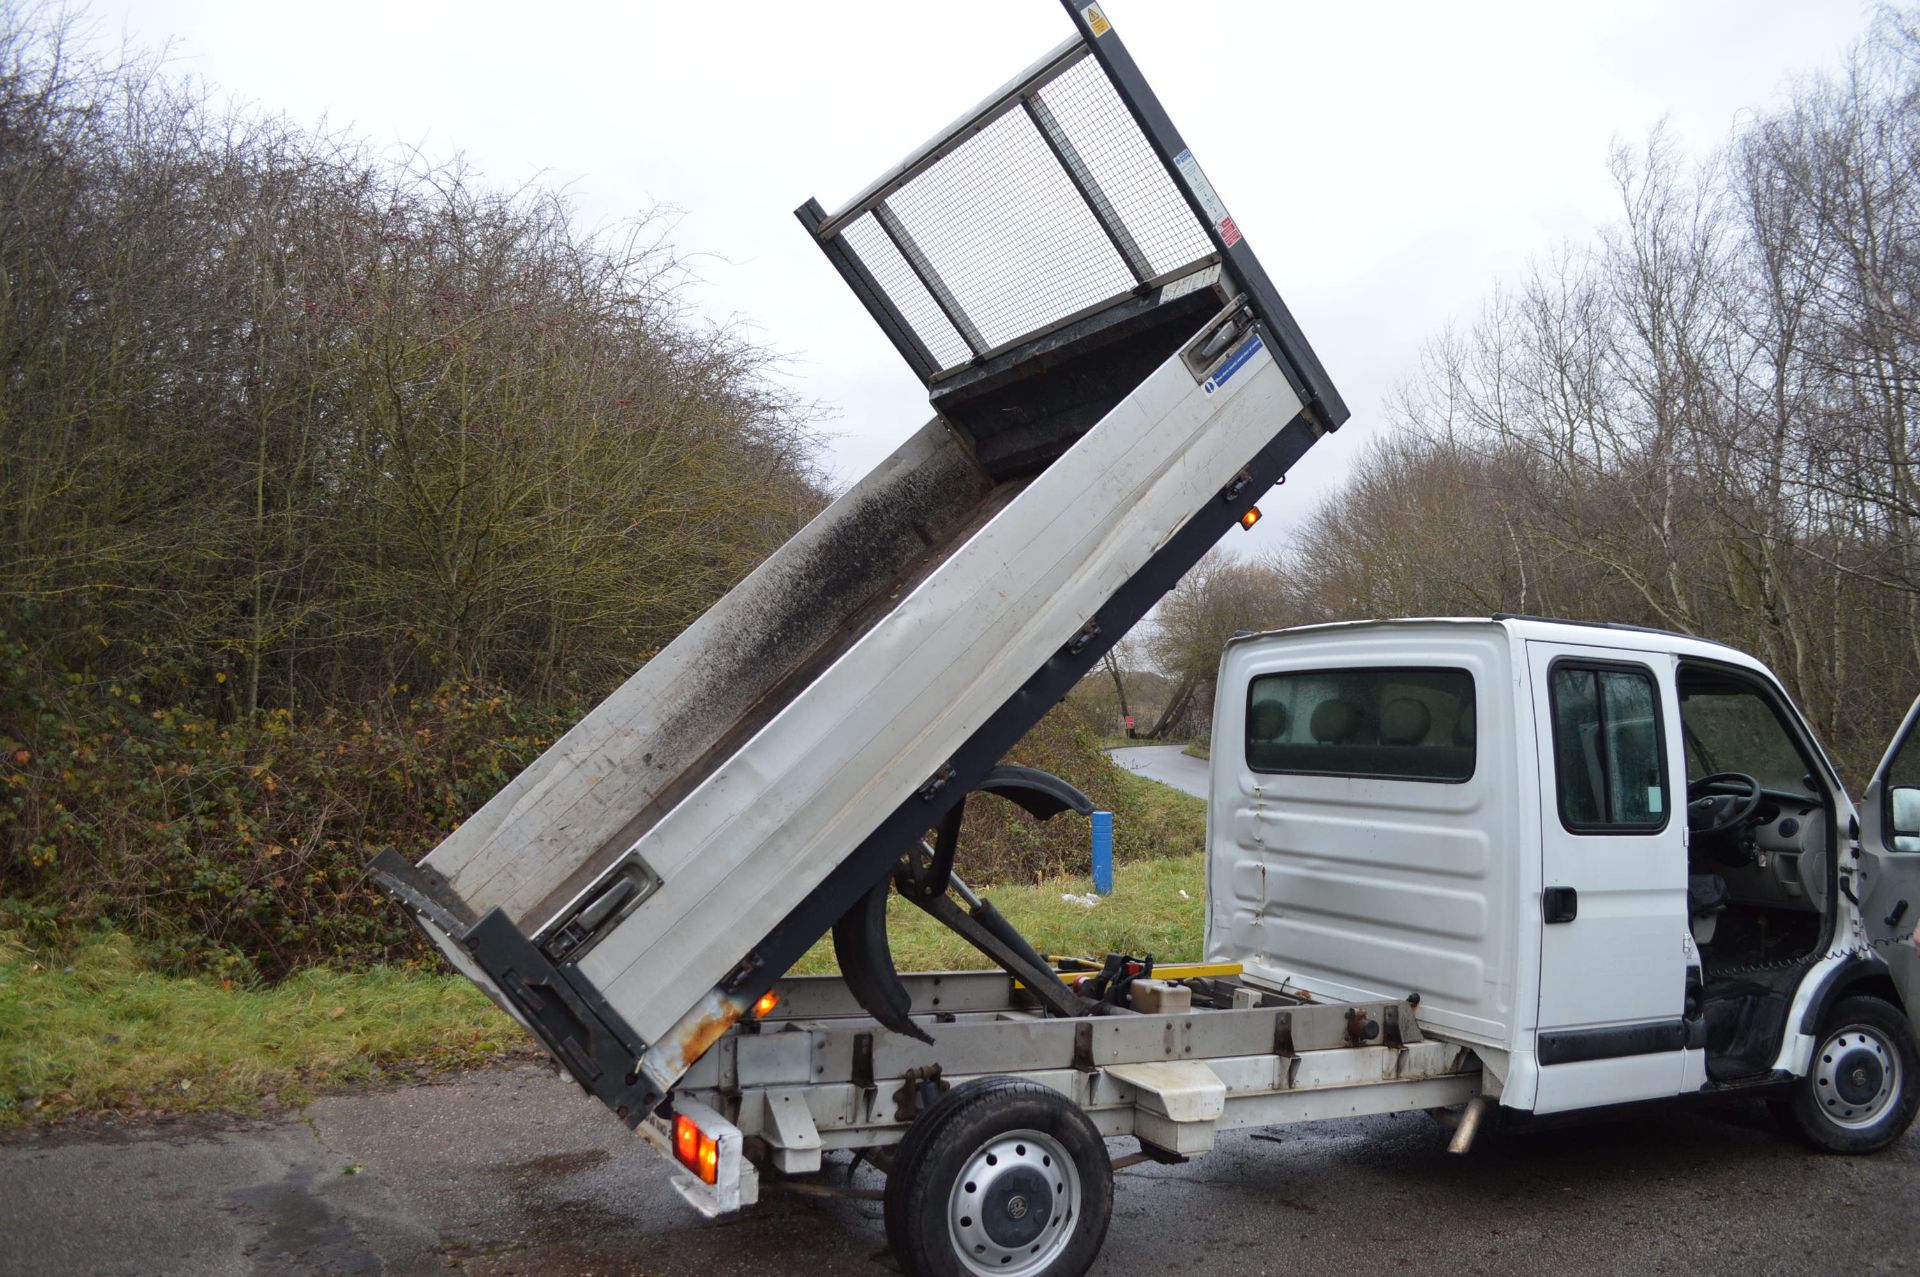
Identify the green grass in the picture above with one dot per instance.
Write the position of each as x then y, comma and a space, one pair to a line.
1198, 749
91, 1029
1145, 914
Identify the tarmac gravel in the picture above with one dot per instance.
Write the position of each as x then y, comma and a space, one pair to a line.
514, 1172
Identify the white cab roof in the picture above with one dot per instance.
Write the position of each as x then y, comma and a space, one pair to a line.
1546, 630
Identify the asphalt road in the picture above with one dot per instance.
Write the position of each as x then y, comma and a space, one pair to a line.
1168, 764
514, 1172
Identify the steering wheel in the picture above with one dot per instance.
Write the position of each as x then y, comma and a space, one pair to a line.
1719, 813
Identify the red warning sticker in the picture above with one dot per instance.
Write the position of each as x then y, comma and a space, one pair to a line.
1229, 233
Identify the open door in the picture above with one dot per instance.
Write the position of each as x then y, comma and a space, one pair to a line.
1890, 859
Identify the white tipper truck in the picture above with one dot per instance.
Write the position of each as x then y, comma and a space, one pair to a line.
1506, 865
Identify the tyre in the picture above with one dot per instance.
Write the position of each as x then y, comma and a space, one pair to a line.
1863, 1087
1002, 1176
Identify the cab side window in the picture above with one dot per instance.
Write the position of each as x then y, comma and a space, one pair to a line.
1609, 756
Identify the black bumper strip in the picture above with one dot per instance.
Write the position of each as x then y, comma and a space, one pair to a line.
1571, 1046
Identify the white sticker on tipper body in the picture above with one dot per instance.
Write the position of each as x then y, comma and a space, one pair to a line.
1096, 20
1203, 191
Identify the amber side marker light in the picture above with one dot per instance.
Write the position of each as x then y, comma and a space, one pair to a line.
1251, 517
768, 1001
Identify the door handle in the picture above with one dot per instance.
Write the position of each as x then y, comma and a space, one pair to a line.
1559, 904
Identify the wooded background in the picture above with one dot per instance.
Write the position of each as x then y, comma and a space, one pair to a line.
1704, 420
336, 485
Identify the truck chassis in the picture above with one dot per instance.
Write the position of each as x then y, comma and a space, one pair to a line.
817, 1073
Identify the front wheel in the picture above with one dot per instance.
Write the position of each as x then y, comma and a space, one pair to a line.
1861, 1093
1002, 1176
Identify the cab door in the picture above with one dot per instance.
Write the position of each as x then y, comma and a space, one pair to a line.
1889, 879
1614, 938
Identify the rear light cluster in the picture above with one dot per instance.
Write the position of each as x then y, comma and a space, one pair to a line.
698, 1151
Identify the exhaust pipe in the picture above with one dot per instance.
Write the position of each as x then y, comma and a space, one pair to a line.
1469, 1125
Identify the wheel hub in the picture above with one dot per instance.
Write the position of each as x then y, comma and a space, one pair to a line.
1856, 1077
1017, 1207
1013, 1208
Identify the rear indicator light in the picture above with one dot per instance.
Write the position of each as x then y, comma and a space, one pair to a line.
686, 1143
709, 1167
698, 1151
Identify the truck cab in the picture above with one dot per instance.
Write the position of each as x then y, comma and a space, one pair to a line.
1615, 862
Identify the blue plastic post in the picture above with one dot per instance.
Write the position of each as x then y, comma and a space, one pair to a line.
1103, 852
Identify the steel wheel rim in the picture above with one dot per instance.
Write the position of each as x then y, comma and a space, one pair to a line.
993, 1205
1856, 1077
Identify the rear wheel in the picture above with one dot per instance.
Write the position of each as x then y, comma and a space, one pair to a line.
1002, 1176
1863, 1088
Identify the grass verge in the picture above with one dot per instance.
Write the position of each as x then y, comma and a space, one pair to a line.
91, 1029
1152, 820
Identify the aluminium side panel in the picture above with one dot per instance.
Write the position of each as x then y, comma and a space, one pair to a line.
546, 836
779, 815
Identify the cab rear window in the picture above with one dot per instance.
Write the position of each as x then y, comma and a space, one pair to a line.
1401, 724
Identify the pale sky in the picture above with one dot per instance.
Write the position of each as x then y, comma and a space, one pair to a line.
1388, 162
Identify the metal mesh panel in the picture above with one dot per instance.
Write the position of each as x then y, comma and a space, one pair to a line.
1005, 229
910, 296
1126, 168
1054, 207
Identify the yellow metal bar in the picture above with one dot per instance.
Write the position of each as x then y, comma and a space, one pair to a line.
1069, 968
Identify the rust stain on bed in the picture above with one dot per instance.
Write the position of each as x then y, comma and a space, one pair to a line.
708, 1030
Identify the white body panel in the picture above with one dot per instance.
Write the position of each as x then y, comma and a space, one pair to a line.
1353, 888
1372, 887
768, 824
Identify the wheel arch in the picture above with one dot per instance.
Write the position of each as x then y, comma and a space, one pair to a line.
1864, 975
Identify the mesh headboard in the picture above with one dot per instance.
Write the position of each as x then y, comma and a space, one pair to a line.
1062, 194
1053, 206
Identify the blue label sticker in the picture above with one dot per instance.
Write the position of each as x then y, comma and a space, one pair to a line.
1235, 362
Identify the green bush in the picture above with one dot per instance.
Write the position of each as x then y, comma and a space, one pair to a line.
231, 848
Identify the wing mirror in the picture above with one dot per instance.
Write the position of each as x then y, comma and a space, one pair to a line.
1904, 802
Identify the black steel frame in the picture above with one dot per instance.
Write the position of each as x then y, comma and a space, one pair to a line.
1281, 331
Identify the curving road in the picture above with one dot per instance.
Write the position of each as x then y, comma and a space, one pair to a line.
1168, 764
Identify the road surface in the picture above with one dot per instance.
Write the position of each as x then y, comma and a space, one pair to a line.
514, 1172
1168, 764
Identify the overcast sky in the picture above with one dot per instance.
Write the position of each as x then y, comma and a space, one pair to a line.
1388, 162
